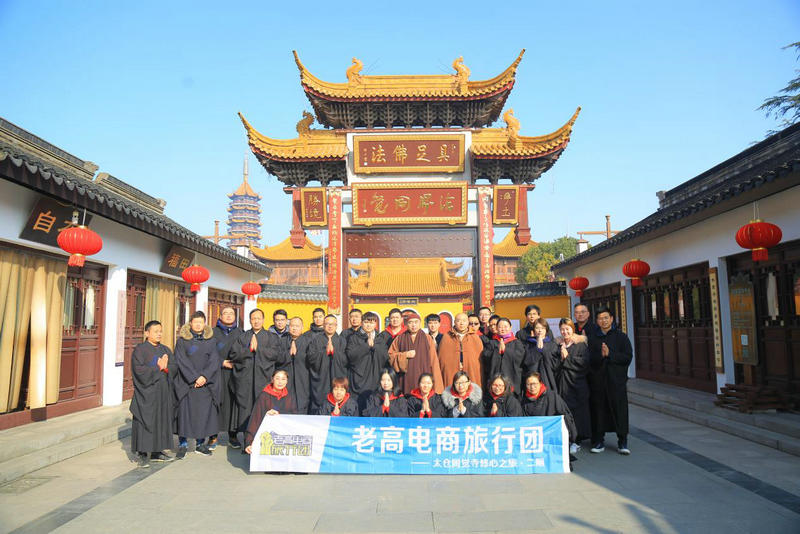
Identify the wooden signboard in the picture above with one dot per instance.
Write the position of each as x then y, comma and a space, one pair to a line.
176, 260
743, 320
392, 204
505, 204
48, 217
314, 202
396, 154
715, 319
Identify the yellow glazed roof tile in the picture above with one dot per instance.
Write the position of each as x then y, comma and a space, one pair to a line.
417, 276
508, 248
311, 144
506, 142
284, 251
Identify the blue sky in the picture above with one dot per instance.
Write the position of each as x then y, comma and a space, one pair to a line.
149, 90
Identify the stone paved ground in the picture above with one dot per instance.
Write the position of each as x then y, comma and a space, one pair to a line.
681, 478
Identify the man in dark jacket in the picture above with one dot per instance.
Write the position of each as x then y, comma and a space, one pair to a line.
584, 326
355, 317
433, 322
317, 320
296, 346
367, 353
226, 333
326, 359
610, 354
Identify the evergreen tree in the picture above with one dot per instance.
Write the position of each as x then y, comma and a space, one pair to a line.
786, 105
535, 264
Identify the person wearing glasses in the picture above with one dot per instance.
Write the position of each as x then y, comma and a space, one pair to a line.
463, 398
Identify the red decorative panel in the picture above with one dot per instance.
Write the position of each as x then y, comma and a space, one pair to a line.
335, 252
486, 237
392, 204
313, 202
393, 154
506, 204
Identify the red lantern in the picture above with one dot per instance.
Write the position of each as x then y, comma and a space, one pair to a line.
79, 242
251, 289
579, 283
636, 269
195, 275
759, 236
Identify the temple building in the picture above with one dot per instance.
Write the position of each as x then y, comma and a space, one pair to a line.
506, 258
407, 172
301, 266
244, 222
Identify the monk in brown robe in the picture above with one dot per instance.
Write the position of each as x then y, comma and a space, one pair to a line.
460, 350
413, 353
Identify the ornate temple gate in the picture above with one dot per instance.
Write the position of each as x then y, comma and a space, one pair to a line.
419, 167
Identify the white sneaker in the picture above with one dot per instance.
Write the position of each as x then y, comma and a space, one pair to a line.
574, 448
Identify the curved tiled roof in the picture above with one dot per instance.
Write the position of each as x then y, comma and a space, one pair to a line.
327, 145
408, 276
408, 87
508, 247
284, 251
500, 143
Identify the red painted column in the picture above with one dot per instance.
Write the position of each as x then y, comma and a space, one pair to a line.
485, 247
522, 233
297, 236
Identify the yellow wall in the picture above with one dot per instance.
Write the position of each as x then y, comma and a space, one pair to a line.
293, 308
552, 307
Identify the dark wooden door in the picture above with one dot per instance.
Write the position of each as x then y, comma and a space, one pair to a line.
134, 326
82, 341
673, 330
776, 289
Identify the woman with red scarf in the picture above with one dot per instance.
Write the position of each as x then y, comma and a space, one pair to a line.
273, 400
424, 401
463, 398
503, 355
539, 400
388, 400
338, 401
500, 402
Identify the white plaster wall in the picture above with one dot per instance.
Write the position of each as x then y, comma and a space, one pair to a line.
124, 249
710, 240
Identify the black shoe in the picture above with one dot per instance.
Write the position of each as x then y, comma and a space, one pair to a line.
203, 449
161, 457
181, 453
598, 447
622, 448
234, 443
143, 461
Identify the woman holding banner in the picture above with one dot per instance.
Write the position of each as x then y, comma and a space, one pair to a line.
339, 401
463, 398
274, 399
387, 400
423, 401
501, 402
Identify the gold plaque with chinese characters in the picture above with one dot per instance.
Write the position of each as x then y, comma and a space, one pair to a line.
424, 203
396, 154
505, 204
314, 206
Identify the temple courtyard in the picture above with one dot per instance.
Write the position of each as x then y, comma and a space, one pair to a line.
681, 478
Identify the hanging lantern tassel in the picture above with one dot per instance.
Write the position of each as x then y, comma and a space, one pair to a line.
636, 269
758, 236
251, 289
195, 275
578, 284
79, 242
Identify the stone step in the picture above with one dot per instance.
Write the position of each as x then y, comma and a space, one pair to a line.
780, 422
30, 447
776, 440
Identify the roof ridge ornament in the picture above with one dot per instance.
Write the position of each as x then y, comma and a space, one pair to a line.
512, 127
462, 74
353, 72
304, 125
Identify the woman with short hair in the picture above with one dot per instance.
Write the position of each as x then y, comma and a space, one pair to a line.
273, 400
463, 397
501, 402
339, 402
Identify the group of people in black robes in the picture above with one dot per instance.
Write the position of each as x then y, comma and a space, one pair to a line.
226, 380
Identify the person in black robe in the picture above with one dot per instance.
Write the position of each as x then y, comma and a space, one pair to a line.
355, 316
484, 315
433, 321
394, 328
423, 401
610, 354
296, 346
570, 368
584, 325
540, 352
503, 355
327, 359
151, 406
539, 400
339, 402
387, 400
501, 402
367, 353
255, 357
532, 313
317, 324
197, 384
226, 334
274, 399
463, 398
